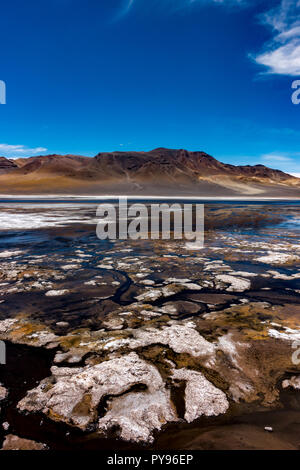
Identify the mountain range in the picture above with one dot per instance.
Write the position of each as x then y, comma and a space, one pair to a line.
160, 172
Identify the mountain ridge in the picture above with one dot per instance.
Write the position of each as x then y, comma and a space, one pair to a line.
160, 171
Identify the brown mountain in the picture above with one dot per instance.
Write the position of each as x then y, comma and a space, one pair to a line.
158, 172
6, 165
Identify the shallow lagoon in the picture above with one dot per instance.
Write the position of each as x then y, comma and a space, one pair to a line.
77, 302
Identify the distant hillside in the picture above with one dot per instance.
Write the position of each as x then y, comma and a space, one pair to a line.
6, 165
158, 172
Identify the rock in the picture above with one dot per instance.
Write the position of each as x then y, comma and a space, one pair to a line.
202, 398
12, 442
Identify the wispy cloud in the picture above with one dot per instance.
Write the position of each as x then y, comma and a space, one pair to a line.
7, 150
285, 161
271, 157
281, 54
172, 5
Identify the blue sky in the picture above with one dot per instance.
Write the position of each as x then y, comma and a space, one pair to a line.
85, 76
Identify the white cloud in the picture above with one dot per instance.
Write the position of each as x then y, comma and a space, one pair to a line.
7, 150
281, 55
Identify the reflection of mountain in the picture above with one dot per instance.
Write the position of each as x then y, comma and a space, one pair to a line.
158, 172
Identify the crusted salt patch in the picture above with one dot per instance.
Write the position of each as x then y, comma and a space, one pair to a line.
192, 286
284, 277
185, 283
73, 394
66, 267
217, 265
12, 329
43, 338
9, 254
56, 293
181, 337
171, 280
237, 284
38, 285
90, 283
293, 382
202, 398
147, 282
149, 295
229, 347
3, 392
138, 415
105, 266
287, 335
244, 274
5, 325
277, 258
